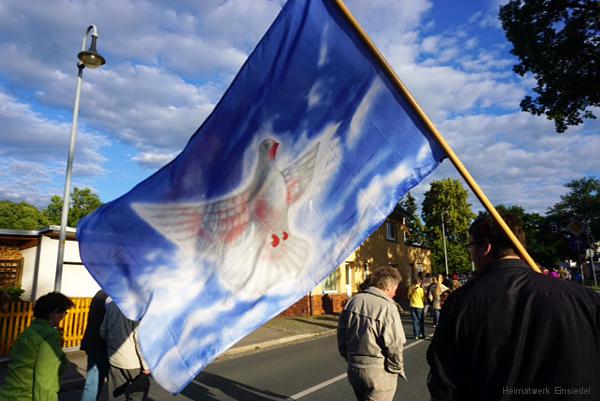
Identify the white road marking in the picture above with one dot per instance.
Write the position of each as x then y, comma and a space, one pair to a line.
334, 379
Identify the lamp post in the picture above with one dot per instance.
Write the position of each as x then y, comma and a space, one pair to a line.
91, 59
444, 239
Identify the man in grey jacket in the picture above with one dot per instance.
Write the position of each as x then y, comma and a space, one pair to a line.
371, 338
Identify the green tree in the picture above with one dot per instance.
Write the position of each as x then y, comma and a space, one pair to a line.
558, 41
413, 222
580, 203
53, 210
20, 216
447, 197
83, 202
541, 244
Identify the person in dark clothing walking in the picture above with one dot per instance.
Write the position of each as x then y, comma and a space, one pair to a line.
95, 348
512, 333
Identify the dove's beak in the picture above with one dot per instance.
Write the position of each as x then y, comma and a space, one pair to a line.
273, 151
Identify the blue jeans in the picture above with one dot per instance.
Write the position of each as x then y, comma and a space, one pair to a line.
436, 316
418, 321
97, 370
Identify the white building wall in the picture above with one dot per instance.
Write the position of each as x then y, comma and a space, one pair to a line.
47, 265
76, 281
29, 256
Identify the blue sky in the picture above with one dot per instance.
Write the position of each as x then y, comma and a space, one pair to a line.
168, 63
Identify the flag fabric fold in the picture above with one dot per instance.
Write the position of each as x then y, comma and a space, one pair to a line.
306, 154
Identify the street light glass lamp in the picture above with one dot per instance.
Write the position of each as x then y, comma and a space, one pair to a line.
91, 58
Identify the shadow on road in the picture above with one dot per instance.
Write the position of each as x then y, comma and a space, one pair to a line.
207, 386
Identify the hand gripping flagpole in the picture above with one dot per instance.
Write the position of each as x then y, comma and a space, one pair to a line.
438, 137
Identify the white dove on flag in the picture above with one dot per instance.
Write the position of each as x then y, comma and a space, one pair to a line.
245, 233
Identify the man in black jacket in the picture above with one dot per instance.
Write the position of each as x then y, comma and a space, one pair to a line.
514, 334
95, 348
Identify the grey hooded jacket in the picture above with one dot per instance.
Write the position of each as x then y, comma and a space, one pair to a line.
120, 335
370, 332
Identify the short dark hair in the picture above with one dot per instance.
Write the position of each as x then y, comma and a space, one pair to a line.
51, 302
485, 229
385, 277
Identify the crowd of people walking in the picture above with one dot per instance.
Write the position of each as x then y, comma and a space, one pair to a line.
502, 334
497, 336
37, 360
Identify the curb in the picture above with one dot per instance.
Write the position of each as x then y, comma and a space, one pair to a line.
271, 343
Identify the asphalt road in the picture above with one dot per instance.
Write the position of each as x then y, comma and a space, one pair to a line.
307, 371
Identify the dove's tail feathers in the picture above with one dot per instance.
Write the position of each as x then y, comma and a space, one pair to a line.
254, 272
291, 258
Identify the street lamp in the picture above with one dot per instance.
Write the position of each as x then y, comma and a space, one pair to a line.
444, 238
92, 59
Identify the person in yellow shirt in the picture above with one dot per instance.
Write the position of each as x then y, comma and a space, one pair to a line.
416, 296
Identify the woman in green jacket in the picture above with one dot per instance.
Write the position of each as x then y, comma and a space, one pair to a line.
36, 358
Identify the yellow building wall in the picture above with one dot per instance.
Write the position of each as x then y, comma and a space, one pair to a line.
378, 251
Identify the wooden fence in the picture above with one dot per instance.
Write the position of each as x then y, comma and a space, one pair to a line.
19, 315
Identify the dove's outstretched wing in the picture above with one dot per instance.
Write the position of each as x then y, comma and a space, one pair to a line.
298, 175
197, 226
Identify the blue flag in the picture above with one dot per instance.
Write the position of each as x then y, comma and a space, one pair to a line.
306, 154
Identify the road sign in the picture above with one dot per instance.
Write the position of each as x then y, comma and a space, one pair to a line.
576, 228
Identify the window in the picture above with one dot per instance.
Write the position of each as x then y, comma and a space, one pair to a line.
11, 271
331, 283
348, 273
391, 231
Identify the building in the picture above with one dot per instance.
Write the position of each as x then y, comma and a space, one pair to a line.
28, 259
387, 246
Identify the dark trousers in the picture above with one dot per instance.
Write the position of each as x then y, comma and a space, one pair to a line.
118, 380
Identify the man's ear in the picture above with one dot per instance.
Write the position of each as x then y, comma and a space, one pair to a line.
487, 248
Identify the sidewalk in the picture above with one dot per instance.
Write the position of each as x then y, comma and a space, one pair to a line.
282, 330
279, 331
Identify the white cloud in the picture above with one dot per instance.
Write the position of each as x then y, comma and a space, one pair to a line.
154, 159
131, 102
444, 90
34, 152
169, 63
430, 44
393, 26
518, 158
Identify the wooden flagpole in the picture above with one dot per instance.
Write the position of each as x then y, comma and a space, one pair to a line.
438, 137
